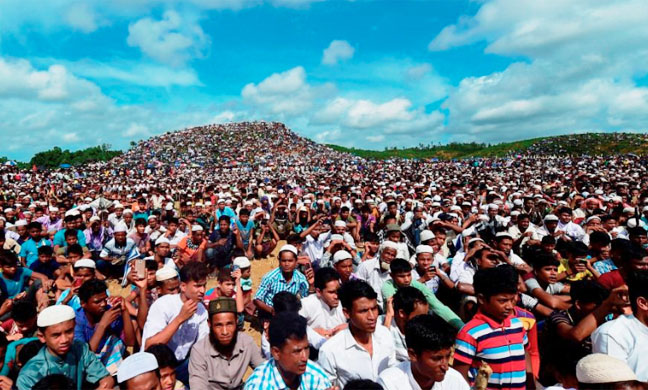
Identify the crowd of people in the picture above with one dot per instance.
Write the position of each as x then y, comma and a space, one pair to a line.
503, 273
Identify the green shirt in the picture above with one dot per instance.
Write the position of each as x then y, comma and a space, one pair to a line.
79, 364
436, 306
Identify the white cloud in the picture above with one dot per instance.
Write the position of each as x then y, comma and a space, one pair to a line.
135, 129
70, 137
173, 40
285, 94
337, 51
136, 73
375, 138
581, 59
82, 17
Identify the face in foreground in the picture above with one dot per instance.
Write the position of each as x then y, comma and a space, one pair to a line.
292, 357
58, 338
432, 365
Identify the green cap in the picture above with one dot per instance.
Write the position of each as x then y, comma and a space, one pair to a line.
222, 305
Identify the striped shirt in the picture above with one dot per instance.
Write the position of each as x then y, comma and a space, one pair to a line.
501, 345
273, 282
267, 377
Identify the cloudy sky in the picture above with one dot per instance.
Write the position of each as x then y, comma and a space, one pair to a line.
357, 73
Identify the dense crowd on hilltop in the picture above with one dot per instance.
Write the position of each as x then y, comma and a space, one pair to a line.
503, 273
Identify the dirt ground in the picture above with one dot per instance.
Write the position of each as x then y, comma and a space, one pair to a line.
259, 268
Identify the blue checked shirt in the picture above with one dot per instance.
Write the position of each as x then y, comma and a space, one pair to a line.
267, 377
273, 282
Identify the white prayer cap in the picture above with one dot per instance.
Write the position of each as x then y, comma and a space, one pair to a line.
242, 262
8, 210
152, 216
128, 211
53, 315
20, 222
341, 255
94, 219
599, 368
483, 217
337, 237
197, 228
136, 364
426, 235
504, 234
120, 228
165, 273
493, 206
85, 263
389, 244
169, 206
424, 249
340, 223
162, 240
628, 210
118, 205
71, 212
474, 240
550, 218
288, 248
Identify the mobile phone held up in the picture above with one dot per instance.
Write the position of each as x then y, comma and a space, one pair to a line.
140, 268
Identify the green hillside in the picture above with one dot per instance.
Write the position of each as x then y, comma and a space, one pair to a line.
576, 144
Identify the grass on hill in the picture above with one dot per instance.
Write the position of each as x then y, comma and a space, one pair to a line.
577, 144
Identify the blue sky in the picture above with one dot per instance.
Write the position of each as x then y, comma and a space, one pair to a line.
357, 73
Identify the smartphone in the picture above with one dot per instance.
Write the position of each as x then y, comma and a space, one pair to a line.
77, 283
432, 268
140, 268
583, 261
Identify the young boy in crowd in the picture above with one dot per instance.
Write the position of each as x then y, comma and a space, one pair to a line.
494, 335
427, 367
45, 264
101, 324
17, 278
61, 354
401, 276
83, 270
23, 321
29, 249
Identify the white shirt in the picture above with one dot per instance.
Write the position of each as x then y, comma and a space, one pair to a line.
176, 238
370, 272
400, 346
162, 312
314, 248
400, 378
342, 358
575, 232
457, 265
624, 338
319, 314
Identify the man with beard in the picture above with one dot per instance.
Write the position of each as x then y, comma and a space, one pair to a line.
219, 362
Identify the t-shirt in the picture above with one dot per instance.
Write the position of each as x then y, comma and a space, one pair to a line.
17, 284
625, 338
47, 268
501, 345
552, 288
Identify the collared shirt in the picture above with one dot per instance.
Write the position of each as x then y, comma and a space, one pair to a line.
400, 377
209, 370
162, 312
319, 314
573, 231
625, 338
273, 282
268, 377
79, 364
370, 272
400, 346
343, 358
501, 345
314, 248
